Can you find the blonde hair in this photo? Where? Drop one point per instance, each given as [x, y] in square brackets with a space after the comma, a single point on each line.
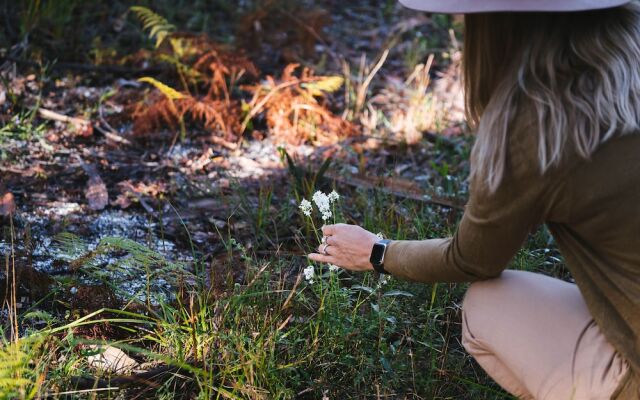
[578, 73]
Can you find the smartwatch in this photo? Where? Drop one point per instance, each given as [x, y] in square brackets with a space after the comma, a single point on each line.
[377, 255]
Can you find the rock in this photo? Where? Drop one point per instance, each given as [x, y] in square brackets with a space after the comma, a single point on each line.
[111, 359]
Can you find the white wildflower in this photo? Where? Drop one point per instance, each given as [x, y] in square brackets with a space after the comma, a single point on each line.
[333, 196]
[326, 215]
[333, 268]
[384, 279]
[323, 204]
[305, 207]
[380, 235]
[321, 200]
[309, 273]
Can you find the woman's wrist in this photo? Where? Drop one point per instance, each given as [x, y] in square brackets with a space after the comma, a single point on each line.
[378, 255]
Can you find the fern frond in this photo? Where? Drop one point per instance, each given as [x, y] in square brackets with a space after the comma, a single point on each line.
[69, 246]
[158, 26]
[15, 374]
[141, 255]
[166, 90]
[192, 75]
[324, 85]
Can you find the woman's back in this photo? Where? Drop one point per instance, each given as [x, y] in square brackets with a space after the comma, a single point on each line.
[598, 232]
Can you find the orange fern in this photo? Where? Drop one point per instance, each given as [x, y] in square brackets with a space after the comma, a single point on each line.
[295, 107]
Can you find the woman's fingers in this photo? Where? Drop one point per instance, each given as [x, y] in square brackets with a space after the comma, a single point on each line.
[321, 258]
[328, 230]
[325, 248]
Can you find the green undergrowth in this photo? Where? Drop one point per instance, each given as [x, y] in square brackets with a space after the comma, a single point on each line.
[266, 335]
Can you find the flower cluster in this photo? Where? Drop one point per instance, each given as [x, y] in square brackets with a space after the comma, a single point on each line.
[309, 273]
[305, 207]
[323, 201]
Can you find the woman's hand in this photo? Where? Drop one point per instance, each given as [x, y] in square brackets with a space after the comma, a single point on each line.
[347, 246]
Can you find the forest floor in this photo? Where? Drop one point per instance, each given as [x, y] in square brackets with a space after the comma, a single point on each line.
[163, 255]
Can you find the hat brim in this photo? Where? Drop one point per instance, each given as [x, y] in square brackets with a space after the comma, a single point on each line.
[479, 6]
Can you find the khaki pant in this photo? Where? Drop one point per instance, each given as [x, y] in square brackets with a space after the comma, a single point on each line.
[534, 336]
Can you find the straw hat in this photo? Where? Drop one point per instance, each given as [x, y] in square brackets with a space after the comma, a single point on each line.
[476, 6]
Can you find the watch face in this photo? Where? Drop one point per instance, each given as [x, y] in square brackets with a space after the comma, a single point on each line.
[377, 253]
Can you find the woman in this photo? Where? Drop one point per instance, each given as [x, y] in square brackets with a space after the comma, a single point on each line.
[555, 99]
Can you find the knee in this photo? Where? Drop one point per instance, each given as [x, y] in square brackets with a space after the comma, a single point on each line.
[491, 294]
[482, 300]
[486, 301]
[476, 298]
[471, 307]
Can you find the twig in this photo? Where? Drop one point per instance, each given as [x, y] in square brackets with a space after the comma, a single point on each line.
[109, 132]
[224, 143]
[81, 123]
[54, 116]
[112, 136]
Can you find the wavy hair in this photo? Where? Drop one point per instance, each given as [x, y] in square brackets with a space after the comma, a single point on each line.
[578, 73]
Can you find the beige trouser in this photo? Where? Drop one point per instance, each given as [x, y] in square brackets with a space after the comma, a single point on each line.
[534, 336]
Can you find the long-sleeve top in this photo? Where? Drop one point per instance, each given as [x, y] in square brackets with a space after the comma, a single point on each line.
[591, 207]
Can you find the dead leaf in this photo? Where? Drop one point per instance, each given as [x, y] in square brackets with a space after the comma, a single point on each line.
[131, 192]
[7, 204]
[123, 201]
[96, 191]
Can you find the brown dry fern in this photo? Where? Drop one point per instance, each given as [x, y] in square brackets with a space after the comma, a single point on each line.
[296, 108]
[219, 117]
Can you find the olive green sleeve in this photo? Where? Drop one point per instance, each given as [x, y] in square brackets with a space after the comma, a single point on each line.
[481, 248]
[493, 228]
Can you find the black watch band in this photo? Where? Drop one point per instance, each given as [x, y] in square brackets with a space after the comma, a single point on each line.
[377, 255]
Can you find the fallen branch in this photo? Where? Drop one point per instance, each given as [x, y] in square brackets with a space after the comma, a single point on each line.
[396, 187]
[115, 69]
[151, 378]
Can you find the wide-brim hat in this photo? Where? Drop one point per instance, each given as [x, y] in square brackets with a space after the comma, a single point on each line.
[478, 6]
